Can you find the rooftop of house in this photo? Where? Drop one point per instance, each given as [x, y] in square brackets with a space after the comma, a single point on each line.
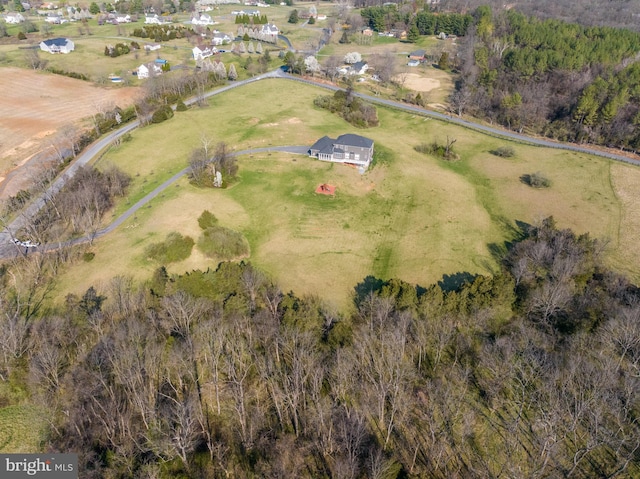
[59, 42]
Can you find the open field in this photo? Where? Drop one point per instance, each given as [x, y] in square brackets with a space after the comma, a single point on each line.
[415, 217]
[46, 103]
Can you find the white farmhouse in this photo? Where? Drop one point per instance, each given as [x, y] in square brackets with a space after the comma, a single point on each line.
[14, 18]
[148, 70]
[200, 52]
[202, 19]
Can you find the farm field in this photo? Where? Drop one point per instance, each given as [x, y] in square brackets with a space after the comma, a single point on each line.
[46, 102]
[412, 216]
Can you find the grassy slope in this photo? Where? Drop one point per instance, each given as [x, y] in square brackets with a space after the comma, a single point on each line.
[22, 429]
[416, 218]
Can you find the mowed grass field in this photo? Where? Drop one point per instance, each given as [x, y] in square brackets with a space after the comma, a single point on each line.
[414, 217]
[22, 429]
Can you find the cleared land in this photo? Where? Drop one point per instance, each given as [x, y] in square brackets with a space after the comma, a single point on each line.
[415, 217]
[34, 105]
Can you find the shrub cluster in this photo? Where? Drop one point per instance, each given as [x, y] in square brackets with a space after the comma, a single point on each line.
[437, 149]
[220, 242]
[77, 76]
[536, 180]
[161, 114]
[349, 107]
[174, 248]
[504, 152]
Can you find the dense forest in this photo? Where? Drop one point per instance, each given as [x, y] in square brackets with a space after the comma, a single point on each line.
[531, 372]
[563, 80]
[611, 13]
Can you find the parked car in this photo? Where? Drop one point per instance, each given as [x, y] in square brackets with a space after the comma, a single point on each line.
[413, 63]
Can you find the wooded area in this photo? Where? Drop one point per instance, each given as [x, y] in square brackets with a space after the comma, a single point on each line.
[534, 372]
[562, 80]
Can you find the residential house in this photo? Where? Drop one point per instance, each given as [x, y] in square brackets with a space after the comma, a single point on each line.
[120, 18]
[399, 34]
[207, 5]
[57, 45]
[220, 38]
[156, 20]
[200, 52]
[148, 70]
[54, 18]
[247, 11]
[14, 18]
[350, 149]
[417, 55]
[152, 47]
[202, 19]
[358, 68]
[367, 31]
[269, 29]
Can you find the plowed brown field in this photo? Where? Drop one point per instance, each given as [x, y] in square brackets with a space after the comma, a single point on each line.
[33, 106]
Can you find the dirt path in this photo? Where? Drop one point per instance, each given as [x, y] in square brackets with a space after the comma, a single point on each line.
[33, 106]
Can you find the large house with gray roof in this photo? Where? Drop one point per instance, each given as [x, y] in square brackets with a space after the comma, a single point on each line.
[351, 149]
[57, 45]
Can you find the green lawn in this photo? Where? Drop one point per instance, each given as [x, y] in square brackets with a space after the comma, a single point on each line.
[416, 217]
[22, 429]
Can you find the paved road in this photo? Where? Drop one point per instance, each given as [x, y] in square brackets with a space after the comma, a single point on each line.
[9, 249]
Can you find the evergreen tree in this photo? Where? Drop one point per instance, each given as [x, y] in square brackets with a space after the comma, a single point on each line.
[294, 17]
[443, 63]
[413, 34]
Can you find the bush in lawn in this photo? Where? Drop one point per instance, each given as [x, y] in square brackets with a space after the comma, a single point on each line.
[175, 248]
[436, 149]
[536, 180]
[161, 114]
[504, 152]
[207, 220]
[222, 243]
[180, 106]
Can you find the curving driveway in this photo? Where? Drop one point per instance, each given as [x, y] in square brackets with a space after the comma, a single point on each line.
[9, 249]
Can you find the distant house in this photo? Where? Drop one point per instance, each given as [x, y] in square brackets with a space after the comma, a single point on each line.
[57, 45]
[148, 70]
[200, 52]
[156, 20]
[417, 55]
[351, 149]
[220, 38]
[123, 18]
[152, 47]
[54, 18]
[14, 18]
[207, 5]
[359, 68]
[269, 29]
[248, 11]
[202, 19]
[367, 32]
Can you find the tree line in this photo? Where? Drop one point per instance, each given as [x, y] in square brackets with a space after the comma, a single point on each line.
[384, 18]
[531, 372]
